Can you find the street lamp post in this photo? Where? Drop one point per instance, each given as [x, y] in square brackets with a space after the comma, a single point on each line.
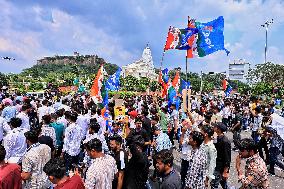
[265, 25]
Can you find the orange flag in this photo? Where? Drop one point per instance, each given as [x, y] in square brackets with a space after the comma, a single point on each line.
[97, 85]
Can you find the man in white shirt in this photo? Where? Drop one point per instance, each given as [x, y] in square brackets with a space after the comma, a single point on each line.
[15, 142]
[72, 141]
[4, 127]
[103, 169]
[83, 122]
[33, 162]
[23, 115]
[43, 110]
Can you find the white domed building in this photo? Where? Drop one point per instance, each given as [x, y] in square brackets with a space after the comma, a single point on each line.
[141, 68]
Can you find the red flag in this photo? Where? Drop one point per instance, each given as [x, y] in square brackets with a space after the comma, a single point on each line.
[170, 39]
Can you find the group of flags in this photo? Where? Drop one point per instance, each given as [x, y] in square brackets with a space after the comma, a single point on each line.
[172, 89]
[198, 38]
[100, 88]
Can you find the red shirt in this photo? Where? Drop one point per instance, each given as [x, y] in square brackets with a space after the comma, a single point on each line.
[74, 182]
[10, 176]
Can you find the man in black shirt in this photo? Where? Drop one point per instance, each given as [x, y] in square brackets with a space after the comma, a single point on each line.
[223, 160]
[139, 130]
[236, 127]
[146, 123]
[137, 170]
[121, 159]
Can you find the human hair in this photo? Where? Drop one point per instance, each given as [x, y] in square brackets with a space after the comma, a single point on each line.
[258, 109]
[53, 116]
[145, 113]
[95, 126]
[46, 119]
[55, 167]
[15, 122]
[197, 137]
[208, 130]
[248, 144]
[31, 136]
[94, 144]
[60, 112]
[116, 138]
[2, 153]
[44, 102]
[25, 107]
[72, 116]
[18, 101]
[138, 119]
[165, 156]
[155, 118]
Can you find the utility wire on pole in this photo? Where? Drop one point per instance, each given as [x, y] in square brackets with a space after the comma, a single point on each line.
[266, 25]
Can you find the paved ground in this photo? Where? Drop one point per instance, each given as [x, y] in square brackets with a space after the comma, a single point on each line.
[275, 182]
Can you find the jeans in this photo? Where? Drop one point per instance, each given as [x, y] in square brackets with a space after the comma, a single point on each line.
[273, 159]
[262, 144]
[218, 180]
[183, 171]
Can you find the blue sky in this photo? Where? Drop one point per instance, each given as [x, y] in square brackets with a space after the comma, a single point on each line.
[118, 30]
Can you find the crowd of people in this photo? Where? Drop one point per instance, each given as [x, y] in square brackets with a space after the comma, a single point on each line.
[67, 141]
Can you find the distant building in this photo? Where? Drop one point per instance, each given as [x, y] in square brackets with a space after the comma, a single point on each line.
[141, 68]
[237, 70]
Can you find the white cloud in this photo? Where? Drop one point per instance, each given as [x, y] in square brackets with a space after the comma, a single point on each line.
[58, 31]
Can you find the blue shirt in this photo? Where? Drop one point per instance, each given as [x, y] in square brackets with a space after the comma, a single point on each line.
[59, 130]
[9, 112]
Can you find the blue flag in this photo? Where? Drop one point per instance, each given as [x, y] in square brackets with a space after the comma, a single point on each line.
[113, 83]
[228, 90]
[184, 85]
[173, 98]
[210, 37]
[165, 73]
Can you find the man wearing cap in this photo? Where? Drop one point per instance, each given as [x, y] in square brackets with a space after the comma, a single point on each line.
[223, 160]
[133, 114]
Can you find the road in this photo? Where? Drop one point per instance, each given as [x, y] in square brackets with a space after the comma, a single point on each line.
[275, 181]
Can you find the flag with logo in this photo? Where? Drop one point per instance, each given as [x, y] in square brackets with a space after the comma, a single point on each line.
[113, 82]
[178, 38]
[210, 37]
[184, 85]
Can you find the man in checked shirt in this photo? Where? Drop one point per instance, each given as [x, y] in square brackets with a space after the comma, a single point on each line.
[256, 175]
